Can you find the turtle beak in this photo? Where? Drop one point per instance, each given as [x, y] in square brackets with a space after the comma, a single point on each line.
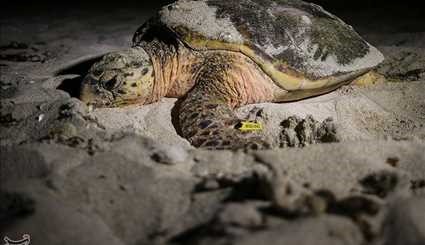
[92, 93]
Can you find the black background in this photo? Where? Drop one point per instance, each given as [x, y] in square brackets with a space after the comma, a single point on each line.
[398, 9]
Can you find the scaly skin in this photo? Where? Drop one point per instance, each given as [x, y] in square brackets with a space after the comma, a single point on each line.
[212, 84]
[225, 81]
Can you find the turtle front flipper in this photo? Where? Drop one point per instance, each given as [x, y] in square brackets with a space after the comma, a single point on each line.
[209, 122]
[206, 114]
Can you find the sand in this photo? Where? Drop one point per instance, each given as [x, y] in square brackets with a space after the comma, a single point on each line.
[72, 175]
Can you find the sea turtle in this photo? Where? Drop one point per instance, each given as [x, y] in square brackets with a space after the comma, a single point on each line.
[217, 55]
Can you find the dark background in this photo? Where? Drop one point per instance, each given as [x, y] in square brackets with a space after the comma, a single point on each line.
[399, 9]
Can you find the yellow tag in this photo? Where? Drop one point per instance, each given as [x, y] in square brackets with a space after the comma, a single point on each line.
[251, 126]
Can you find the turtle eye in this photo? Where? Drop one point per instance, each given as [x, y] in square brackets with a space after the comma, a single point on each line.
[111, 84]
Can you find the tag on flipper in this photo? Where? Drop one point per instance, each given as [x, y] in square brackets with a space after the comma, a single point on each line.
[246, 126]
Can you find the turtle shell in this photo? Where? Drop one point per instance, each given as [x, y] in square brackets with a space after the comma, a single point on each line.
[298, 44]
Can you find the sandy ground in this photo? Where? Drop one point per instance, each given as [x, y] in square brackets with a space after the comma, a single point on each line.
[70, 175]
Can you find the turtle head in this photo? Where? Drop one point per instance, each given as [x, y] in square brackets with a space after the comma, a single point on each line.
[118, 79]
